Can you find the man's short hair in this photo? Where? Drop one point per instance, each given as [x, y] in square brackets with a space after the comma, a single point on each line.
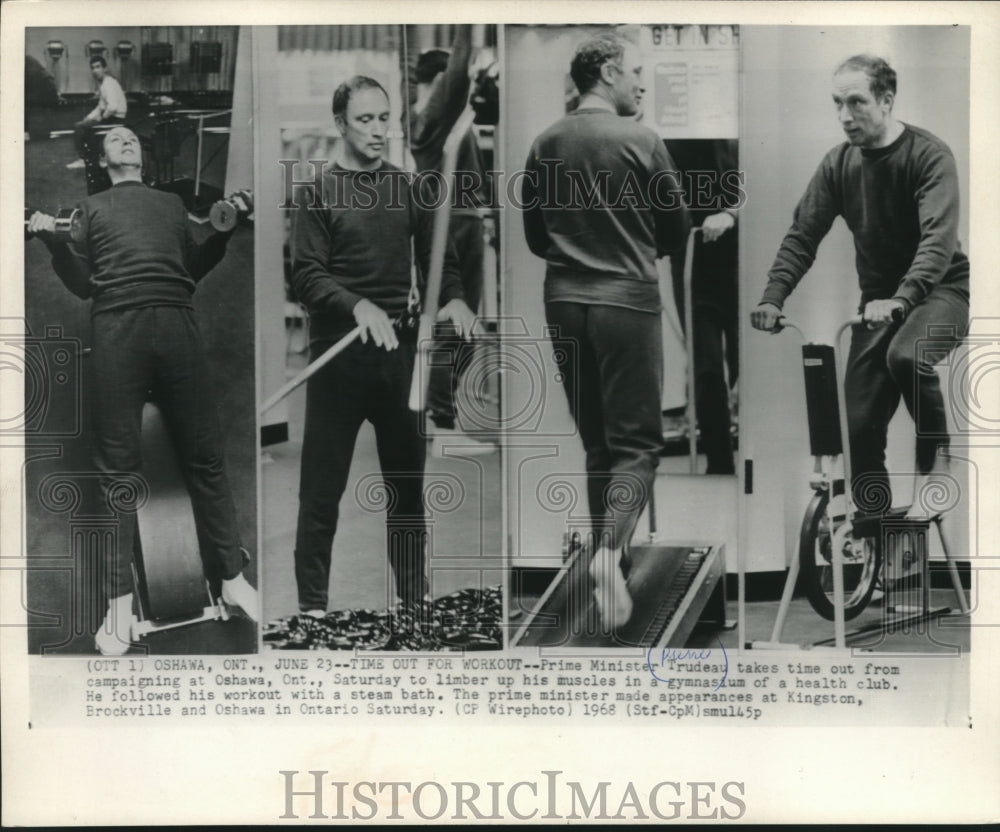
[590, 55]
[343, 93]
[104, 143]
[98, 59]
[881, 76]
[104, 140]
[430, 64]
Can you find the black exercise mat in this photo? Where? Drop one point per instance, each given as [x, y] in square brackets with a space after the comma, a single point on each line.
[469, 619]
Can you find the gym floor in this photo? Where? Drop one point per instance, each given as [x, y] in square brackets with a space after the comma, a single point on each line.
[804, 627]
[527, 585]
[465, 551]
[65, 608]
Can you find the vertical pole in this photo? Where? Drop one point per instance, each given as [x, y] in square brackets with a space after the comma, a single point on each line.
[689, 346]
[197, 164]
[956, 581]
[837, 540]
[418, 387]
[786, 600]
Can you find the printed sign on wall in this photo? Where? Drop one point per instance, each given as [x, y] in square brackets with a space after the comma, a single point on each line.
[693, 72]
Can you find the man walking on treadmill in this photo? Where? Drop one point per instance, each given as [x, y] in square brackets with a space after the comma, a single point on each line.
[602, 288]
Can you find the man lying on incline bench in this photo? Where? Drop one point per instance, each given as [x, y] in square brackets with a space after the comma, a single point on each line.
[137, 261]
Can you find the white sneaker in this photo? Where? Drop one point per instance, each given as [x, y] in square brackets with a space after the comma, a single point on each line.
[79, 164]
[237, 592]
[115, 635]
[315, 613]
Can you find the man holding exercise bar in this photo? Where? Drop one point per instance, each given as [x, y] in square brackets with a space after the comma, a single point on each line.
[352, 267]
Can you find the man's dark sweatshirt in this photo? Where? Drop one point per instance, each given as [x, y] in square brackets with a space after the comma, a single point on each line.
[900, 202]
[137, 250]
[602, 249]
[358, 247]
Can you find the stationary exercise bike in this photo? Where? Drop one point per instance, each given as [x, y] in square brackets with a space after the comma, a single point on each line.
[828, 526]
[843, 553]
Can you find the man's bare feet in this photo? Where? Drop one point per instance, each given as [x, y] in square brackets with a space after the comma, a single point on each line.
[610, 592]
[115, 635]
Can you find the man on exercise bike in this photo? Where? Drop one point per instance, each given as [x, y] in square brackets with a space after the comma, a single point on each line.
[896, 186]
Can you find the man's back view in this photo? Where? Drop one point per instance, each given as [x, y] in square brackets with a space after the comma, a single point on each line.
[602, 201]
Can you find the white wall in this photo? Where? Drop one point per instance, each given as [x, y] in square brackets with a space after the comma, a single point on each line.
[533, 93]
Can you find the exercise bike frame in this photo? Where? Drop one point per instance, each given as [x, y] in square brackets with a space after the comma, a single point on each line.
[833, 465]
[829, 468]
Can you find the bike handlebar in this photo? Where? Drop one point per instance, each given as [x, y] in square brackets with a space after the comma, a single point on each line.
[787, 323]
[855, 321]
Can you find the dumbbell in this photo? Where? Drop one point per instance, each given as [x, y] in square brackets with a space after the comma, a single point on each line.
[225, 213]
[68, 224]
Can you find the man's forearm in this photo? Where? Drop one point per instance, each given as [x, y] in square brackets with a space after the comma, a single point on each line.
[317, 289]
[533, 218]
[320, 291]
[68, 266]
[672, 228]
[779, 287]
[206, 255]
[448, 101]
[672, 224]
[535, 232]
[811, 222]
[793, 260]
[451, 277]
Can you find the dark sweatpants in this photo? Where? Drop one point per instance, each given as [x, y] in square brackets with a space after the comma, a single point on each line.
[715, 316]
[893, 361]
[159, 349]
[452, 354]
[363, 382]
[613, 380]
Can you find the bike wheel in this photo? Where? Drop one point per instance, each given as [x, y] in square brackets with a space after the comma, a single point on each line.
[862, 559]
